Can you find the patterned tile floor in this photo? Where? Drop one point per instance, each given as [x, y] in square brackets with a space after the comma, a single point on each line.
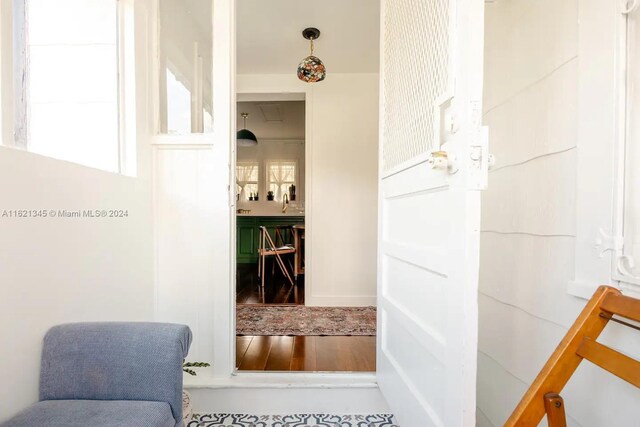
[297, 420]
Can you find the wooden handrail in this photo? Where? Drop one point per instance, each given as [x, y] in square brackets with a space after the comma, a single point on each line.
[622, 306]
[579, 343]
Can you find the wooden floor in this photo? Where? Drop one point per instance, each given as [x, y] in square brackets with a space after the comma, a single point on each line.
[278, 290]
[306, 353]
[302, 353]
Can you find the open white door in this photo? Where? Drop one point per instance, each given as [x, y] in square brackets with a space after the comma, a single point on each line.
[433, 161]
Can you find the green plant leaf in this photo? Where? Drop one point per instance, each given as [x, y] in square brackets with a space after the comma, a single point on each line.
[196, 365]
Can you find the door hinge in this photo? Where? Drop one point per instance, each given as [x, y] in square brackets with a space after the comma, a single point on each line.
[446, 124]
[480, 159]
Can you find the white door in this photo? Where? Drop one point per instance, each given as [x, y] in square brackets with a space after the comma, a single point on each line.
[433, 162]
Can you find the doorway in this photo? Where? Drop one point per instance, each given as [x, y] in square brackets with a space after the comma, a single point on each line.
[275, 329]
[430, 309]
[324, 318]
[270, 202]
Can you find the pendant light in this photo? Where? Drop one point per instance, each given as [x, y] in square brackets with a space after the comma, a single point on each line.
[311, 69]
[244, 137]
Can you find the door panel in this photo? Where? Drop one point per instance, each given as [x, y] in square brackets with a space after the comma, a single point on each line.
[416, 47]
[433, 159]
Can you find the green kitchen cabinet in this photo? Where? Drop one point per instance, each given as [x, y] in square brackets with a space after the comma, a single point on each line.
[248, 234]
[246, 240]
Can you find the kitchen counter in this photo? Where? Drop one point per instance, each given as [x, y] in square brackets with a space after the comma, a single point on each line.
[286, 215]
[270, 209]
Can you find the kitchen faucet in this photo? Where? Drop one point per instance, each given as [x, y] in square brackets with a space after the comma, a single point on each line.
[285, 202]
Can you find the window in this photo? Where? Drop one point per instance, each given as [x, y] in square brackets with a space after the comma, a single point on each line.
[607, 241]
[627, 268]
[281, 175]
[186, 64]
[247, 180]
[66, 88]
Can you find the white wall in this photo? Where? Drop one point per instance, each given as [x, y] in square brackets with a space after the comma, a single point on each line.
[57, 270]
[341, 182]
[533, 72]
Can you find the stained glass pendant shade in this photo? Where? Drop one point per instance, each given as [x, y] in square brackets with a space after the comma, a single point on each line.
[311, 69]
[244, 137]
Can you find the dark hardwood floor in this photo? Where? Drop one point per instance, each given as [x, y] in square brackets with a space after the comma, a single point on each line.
[300, 353]
[278, 290]
[306, 353]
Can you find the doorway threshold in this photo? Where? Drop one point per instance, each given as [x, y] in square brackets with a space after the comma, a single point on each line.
[260, 379]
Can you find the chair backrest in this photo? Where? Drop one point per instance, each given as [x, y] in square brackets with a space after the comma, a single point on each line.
[115, 361]
[579, 343]
[284, 235]
[266, 242]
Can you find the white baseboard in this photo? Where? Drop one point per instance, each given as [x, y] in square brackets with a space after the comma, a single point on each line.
[265, 401]
[340, 301]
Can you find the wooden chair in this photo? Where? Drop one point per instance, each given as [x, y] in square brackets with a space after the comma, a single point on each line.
[268, 248]
[580, 343]
[284, 235]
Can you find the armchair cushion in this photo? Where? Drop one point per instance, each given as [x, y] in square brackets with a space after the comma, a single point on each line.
[115, 361]
[94, 413]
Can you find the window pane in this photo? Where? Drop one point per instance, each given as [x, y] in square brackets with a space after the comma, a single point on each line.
[251, 190]
[179, 110]
[72, 81]
[247, 179]
[186, 32]
[281, 175]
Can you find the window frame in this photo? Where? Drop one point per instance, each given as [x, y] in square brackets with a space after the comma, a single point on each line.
[625, 279]
[601, 160]
[267, 181]
[257, 182]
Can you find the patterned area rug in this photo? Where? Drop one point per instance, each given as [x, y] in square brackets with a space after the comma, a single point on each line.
[297, 420]
[300, 320]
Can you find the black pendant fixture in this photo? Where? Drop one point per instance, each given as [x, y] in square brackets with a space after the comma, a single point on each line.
[311, 69]
[244, 137]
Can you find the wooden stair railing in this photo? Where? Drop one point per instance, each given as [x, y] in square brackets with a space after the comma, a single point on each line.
[543, 397]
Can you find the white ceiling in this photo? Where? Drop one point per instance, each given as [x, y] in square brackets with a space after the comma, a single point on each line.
[269, 35]
[274, 120]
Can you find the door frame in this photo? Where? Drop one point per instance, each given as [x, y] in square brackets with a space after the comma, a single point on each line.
[212, 318]
[282, 95]
[266, 85]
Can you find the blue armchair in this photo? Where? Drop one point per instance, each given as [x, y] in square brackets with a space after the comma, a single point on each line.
[110, 374]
